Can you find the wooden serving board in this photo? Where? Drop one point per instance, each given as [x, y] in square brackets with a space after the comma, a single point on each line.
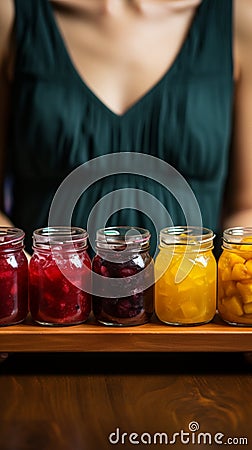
[152, 337]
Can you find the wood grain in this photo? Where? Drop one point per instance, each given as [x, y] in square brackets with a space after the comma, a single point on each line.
[155, 336]
[73, 402]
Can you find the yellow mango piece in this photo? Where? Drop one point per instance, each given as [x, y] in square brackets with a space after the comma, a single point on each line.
[162, 307]
[240, 272]
[167, 295]
[247, 251]
[233, 258]
[248, 265]
[189, 310]
[166, 311]
[233, 306]
[229, 288]
[248, 308]
[245, 290]
[165, 282]
[186, 288]
[225, 274]
[245, 254]
[182, 268]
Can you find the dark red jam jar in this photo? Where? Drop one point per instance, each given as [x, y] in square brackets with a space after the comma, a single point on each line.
[123, 291]
[13, 276]
[59, 276]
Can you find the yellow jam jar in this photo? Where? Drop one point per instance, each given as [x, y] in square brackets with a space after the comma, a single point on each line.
[185, 276]
[235, 277]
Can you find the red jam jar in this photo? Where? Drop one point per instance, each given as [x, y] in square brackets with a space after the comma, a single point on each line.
[59, 276]
[13, 276]
[126, 277]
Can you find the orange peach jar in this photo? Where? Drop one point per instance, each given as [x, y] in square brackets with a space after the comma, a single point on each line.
[185, 276]
[235, 277]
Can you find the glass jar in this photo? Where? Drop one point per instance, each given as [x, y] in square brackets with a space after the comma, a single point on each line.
[59, 276]
[235, 277]
[123, 292]
[13, 276]
[185, 276]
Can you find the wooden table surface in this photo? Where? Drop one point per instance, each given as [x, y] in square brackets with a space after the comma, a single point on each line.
[152, 337]
[74, 401]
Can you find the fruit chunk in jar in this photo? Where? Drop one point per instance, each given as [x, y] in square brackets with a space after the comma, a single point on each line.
[56, 299]
[235, 283]
[191, 300]
[135, 309]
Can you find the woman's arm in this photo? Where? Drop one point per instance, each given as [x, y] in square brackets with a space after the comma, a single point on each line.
[6, 57]
[239, 188]
[6, 27]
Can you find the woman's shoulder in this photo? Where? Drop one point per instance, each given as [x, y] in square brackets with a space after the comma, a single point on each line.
[243, 14]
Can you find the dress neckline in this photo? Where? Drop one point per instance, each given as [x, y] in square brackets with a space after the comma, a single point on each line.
[149, 92]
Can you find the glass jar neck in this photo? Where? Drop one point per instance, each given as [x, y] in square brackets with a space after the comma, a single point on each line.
[187, 239]
[122, 239]
[60, 239]
[237, 236]
[11, 239]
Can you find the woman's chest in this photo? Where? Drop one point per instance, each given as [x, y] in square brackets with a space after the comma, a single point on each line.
[121, 60]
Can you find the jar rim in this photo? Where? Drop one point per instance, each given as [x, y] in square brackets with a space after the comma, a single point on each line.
[191, 235]
[117, 236]
[59, 235]
[11, 235]
[234, 235]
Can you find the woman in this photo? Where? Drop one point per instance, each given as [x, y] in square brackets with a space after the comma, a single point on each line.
[80, 79]
[168, 78]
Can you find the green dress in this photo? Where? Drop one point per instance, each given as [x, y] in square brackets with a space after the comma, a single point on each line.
[59, 124]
